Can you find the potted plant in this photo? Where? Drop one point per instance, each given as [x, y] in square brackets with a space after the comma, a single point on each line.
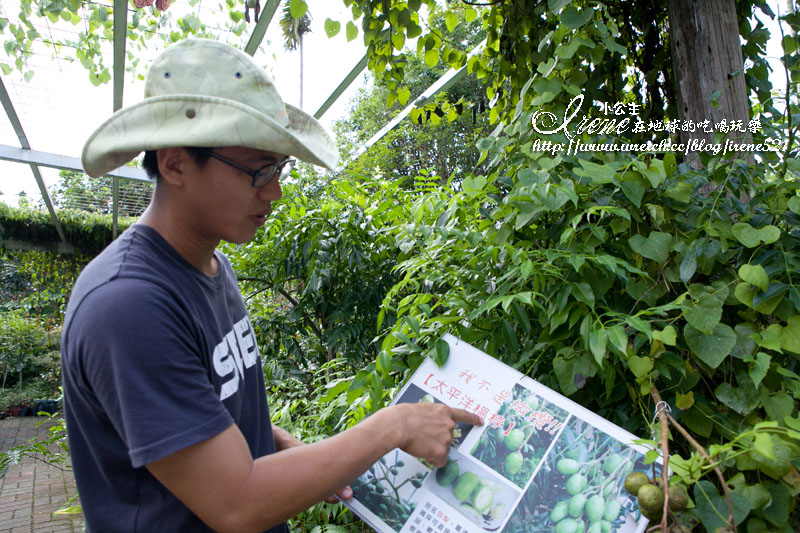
[13, 401]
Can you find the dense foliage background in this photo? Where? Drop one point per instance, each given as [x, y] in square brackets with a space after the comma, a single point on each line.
[614, 277]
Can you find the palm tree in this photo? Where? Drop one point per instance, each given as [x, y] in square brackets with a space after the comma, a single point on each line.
[293, 31]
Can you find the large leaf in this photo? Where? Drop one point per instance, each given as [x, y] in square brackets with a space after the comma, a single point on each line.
[331, 27]
[710, 349]
[573, 371]
[598, 340]
[779, 406]
[741, 399]
[573, 19]
[640, 366]
[297, 8]
[704, 314]
[790, 336]
[752, 237]
[777, 510]
[759, 367]
[351, 31]
[712, 506]
[655, 247]
[755, 275]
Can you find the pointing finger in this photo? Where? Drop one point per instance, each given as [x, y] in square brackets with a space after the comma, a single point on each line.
[460, 415]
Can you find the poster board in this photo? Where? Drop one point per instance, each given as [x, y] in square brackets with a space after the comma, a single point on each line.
[540, 462]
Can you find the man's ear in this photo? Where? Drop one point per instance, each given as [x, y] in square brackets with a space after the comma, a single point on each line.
[172, 165]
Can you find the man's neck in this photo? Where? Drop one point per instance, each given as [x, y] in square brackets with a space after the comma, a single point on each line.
[197, 250]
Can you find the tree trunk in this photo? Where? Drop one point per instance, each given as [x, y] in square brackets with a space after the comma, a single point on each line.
[707, 59]
[301, 72]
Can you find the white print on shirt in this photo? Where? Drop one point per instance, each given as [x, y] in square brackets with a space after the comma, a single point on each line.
[236, 352]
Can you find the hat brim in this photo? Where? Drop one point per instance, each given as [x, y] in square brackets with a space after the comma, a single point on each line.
[203, 121]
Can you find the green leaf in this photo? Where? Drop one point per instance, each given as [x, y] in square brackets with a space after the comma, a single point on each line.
[451, 21]
[777, 510]
[403, 94]
[297, 8]
[704, 314]
[640, 366]
[470, 14]
[6, 69]
[441, 352]
[398, 40]
[668, 336]
[766, 301]
[634, 186]
[770, 338]
[612, 46]
[555, 6]
[598, 340]
[332, 27]
[572, 371]
[712, 508]
[681, 192]
[432, 57]
[755, 275]
[599, 174]
[655, 246]
[790, 335]
[618, 339]
[779, 405]
[688, 266]
[710, 349]
[741, 399]
[583, 293]
[759, 368]
[573, 19]
[762, 443]
[752, 237]
[698, 421]
[351, 31]
[684, 401]
[794, 205]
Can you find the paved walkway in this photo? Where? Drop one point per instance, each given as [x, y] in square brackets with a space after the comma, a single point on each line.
[31, 490]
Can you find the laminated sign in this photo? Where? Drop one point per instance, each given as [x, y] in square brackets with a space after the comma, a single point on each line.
[540, 462]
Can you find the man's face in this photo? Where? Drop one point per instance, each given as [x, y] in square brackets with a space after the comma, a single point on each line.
[222, 203]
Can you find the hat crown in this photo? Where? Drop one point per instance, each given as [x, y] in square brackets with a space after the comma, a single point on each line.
[203, 67]
[201, 92]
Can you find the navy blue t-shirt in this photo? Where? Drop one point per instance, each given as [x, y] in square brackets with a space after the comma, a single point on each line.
[156, 356]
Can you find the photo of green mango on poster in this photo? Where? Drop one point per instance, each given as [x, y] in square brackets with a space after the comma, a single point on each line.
[516, 437]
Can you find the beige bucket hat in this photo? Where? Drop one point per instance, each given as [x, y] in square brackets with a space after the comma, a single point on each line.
[204, 93]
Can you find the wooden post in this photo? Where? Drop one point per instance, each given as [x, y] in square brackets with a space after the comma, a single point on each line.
[707, 57]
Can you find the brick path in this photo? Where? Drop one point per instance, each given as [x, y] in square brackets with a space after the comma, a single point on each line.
[31, 490]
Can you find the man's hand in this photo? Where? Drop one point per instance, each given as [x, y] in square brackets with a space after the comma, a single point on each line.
[426, 429]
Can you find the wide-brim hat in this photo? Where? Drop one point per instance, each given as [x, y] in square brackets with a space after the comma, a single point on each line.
[204, 93]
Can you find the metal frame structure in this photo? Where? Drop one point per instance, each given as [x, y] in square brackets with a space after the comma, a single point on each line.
[26, 155]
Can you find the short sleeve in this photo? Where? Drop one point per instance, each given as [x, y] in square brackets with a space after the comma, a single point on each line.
[141, 357]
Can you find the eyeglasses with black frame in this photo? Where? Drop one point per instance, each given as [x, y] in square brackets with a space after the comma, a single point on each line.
[261, 176]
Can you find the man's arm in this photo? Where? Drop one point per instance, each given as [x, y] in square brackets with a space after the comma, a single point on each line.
[221, 483]
[283, 439]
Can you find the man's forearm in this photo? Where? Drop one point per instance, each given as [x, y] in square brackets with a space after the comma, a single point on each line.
[219, 480]
[283, 439]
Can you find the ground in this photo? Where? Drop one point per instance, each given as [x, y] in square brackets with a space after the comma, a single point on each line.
[31, 490]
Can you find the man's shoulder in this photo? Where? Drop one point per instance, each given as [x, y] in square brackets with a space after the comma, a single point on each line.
[134, 265]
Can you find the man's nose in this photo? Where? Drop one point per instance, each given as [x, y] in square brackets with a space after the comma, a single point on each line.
[271, 191]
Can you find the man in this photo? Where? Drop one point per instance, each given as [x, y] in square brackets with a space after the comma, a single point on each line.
[164, 395]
